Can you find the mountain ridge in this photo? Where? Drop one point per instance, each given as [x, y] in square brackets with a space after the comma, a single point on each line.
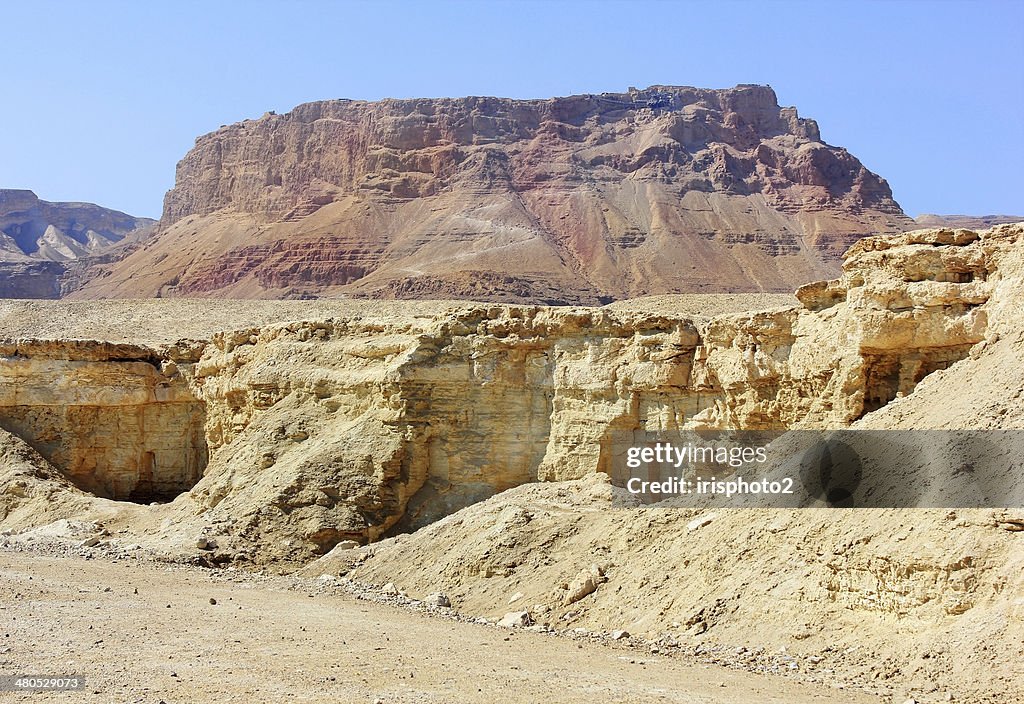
[583, 199]
[969, 222]
[45, 244]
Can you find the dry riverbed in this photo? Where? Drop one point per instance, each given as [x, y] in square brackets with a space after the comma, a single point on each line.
[140, 631]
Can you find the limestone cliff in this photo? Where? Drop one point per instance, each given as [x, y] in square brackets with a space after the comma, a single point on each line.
[370, 421]
[116, 421]
[583, 199]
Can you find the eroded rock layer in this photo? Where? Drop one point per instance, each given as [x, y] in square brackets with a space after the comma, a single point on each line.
[577, 200]
[107, 415]
[370, 422]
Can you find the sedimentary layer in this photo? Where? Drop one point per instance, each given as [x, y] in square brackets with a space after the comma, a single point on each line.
[374, 421]
[576, 200]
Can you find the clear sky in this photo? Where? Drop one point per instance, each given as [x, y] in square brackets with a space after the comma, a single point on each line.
[101, 99]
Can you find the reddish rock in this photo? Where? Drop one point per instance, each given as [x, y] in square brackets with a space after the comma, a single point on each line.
[576, 200]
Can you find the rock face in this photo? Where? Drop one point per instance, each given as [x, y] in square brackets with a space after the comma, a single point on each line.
[38, 239]
[27, 279]
[372, 421]
[582, 199]
[115, 423]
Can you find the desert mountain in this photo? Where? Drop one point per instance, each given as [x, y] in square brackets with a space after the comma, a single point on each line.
[970, 222]
[582, 199]
[38, 239]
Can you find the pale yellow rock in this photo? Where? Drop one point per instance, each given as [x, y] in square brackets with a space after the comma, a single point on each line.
[106, 415]
[376, 420]
[385, 419]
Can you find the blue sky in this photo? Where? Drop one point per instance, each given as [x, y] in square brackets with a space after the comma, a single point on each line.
[101, 99]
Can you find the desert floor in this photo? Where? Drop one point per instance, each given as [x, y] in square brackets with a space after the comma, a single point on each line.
[145, 632]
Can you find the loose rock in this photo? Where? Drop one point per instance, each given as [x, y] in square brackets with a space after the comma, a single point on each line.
[516, 619]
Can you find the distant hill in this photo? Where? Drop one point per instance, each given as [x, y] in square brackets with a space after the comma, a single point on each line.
[969, 222]
[39, 240]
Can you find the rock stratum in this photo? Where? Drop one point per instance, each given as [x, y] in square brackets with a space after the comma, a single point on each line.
[45, 246]
[374, 417]
[577, 200]
[486, 429]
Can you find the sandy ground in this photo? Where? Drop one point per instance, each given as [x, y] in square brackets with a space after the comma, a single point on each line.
[143, 632]
[162, 321]
[702, 306]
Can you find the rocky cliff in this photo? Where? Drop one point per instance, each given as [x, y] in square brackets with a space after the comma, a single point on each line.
[377, 420]
[116, 421]
[582, 199]
[40, 241]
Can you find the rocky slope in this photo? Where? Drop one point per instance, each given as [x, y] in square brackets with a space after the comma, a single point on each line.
[384, 418]
[40, 241]
[582, 199]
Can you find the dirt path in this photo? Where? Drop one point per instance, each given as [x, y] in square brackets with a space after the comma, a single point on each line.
[263, 642]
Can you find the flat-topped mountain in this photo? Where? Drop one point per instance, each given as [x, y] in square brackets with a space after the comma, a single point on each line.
[39, 238]
[581, 199]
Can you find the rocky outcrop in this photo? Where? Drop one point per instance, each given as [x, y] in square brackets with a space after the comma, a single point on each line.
[372, 421]
[39, 239]
[583, 199]
[117, 421]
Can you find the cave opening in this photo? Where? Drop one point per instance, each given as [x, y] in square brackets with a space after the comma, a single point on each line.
[119, 429]
[142, 453]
